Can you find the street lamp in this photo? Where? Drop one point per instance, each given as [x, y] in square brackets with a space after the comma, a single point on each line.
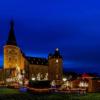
[53, 85]
[64, 79]
[33, 79]
[67, 84]
[23, 76]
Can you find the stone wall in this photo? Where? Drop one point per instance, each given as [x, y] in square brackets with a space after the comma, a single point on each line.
[34, 70]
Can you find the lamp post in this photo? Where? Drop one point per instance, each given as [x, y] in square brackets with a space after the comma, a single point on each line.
[23, 76]
[67, 85]
[53, 86]
[33, 79]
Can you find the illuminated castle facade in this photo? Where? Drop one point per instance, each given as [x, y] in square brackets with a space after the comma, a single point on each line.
[16, 61]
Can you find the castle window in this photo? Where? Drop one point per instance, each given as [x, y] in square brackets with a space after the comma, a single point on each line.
[56, 60]
[9, 58]
[16, 53]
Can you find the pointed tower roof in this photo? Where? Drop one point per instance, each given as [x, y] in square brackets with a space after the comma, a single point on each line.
[56, 54]
[11, 38]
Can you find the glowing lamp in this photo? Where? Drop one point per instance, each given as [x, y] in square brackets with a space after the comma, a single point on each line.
[57, 49]
[56, 60]
[64, 79]
[33, 78]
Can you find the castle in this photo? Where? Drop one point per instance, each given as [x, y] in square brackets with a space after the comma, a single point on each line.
[16, 61]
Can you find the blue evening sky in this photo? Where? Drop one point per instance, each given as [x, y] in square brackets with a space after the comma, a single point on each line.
[43, 25]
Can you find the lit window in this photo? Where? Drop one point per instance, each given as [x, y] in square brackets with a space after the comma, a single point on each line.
[56, 60]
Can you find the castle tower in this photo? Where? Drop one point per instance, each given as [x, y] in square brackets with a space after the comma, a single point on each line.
[12, 54]
[55, 66]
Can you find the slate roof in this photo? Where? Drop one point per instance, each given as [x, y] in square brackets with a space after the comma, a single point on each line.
[56, 54]
[37, 60]
[11, 38]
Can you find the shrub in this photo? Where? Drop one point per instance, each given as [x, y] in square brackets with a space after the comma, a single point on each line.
[39, 84]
